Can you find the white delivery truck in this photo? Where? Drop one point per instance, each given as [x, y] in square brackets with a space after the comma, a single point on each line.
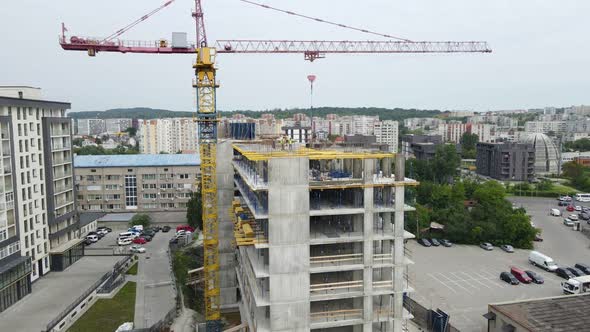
[543, 261]
[576, 285]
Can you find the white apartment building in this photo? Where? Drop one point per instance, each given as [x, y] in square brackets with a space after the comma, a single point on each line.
[387, 132]
[113, 126]
[167, 135]
[89, 127]
[544, 127]
[452, 132]
[43, 193]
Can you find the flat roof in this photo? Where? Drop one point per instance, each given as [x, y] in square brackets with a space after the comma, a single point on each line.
[117, 217]
[136, 160]
[562, 313]
[9, 101]
[88, 217]
[257, 152]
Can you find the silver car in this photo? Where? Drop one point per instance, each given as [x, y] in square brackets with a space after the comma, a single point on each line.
[486, 246]
[507, 248]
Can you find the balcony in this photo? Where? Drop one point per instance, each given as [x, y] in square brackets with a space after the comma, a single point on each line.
[60, 146]
[336, 313]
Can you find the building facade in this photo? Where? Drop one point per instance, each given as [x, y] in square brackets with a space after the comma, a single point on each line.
[420, 143]
[167, 135]
[506, 161]
[386, 132]
[138, 183]
[320, 240]
[39, 190]
[545, 127]
[89, 127]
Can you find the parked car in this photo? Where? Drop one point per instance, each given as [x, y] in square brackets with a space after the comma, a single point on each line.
[509, 278]
[578, 208]
[424, 242]
[570, 208]
[538, 238]
[102, 232]
[139, 240]
[137, 249]
[156, 229]
[583, 267]
[562, 203]
[486, 246]
[185, 228]
[564, 273]
[568, 222]
[105, 228]
[573, 217]
[565, 198]
[434, 242]
[555, 212]
[88, 242]
[149, 232]
[92, 238]
[166, 229]
[507, 248]
[124, 241]
[99, 235]
[520, 275]
[147, 237]
[577, 272]
[537, 278]
[585, 215]
[174, 240]
[446, 243]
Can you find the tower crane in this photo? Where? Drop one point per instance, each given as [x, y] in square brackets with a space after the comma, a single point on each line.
[205, 84]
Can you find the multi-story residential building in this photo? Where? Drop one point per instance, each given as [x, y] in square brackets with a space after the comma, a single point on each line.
[42, 193]
[452, 131]
[15, 269]
[422, 123]
[506, 161]
[364, 124]
[386, 132]
[484, 131]
[91, 127]
[138, 183]
[113, 126]
[545, 127]
[167, 135]
[320, 240]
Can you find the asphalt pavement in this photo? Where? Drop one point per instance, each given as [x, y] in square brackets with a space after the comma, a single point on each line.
[463, 280]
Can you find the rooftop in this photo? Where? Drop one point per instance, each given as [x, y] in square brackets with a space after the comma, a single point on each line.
[256, 152]
[562, 313]
[137, 160]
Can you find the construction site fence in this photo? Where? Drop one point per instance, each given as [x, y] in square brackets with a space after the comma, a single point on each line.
[423, 316]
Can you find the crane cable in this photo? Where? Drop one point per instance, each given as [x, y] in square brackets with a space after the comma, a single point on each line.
[324, 21]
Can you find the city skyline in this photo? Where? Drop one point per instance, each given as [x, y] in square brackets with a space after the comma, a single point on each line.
[514, 75]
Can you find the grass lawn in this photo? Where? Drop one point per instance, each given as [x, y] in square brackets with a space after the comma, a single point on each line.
[133, 269]
[564, 189]
[108, 314]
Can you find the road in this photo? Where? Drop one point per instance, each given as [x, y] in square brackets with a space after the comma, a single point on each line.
[463, 280]
[155, 289]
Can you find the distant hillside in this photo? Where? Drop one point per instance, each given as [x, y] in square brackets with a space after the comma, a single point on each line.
[150, 113]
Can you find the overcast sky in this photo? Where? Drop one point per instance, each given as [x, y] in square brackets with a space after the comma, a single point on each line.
[541, 54]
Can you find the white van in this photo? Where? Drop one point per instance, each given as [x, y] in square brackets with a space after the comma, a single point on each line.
[555, 212]
[582, 197]
[124, 241]
[545, 262]
[137, 227]
[127, 235]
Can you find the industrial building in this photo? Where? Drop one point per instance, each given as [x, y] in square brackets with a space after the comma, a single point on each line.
[320, 238]
[38, 225]
[561, 313]
[506, 161]
[137, 183]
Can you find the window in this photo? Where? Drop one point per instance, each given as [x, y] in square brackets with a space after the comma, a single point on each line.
[113, 177]
[183, 176]
[148, 196]
[150, 206]
[130, 191]
[111, 187]
[149, 186]
[149, 176]
[166, 185]
[112, 196]
[3, 235]
[93, 178]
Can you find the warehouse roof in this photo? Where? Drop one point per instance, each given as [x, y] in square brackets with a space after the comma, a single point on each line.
[563, 313]
[137, 160]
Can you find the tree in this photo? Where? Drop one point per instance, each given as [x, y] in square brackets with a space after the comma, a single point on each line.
[98, 141]
[468, 145]
[194, 211]
[582, 144]
[141, 219]
[131, 131]
[77, 141]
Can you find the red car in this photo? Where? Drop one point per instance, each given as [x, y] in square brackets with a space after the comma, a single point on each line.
[521, 275]
[570, 208]
[139, 240]
[186, 228]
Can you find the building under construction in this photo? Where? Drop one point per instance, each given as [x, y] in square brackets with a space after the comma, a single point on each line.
[319, 238]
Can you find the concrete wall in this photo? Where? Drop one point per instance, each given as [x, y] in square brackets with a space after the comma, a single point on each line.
[288, 215]
[225, 193]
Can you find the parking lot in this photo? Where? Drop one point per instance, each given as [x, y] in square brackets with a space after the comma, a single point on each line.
[463, 280]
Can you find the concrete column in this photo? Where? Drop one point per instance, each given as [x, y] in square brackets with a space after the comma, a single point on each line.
[368, 232]
[225, 193]
[288, 240]
[398, 244]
